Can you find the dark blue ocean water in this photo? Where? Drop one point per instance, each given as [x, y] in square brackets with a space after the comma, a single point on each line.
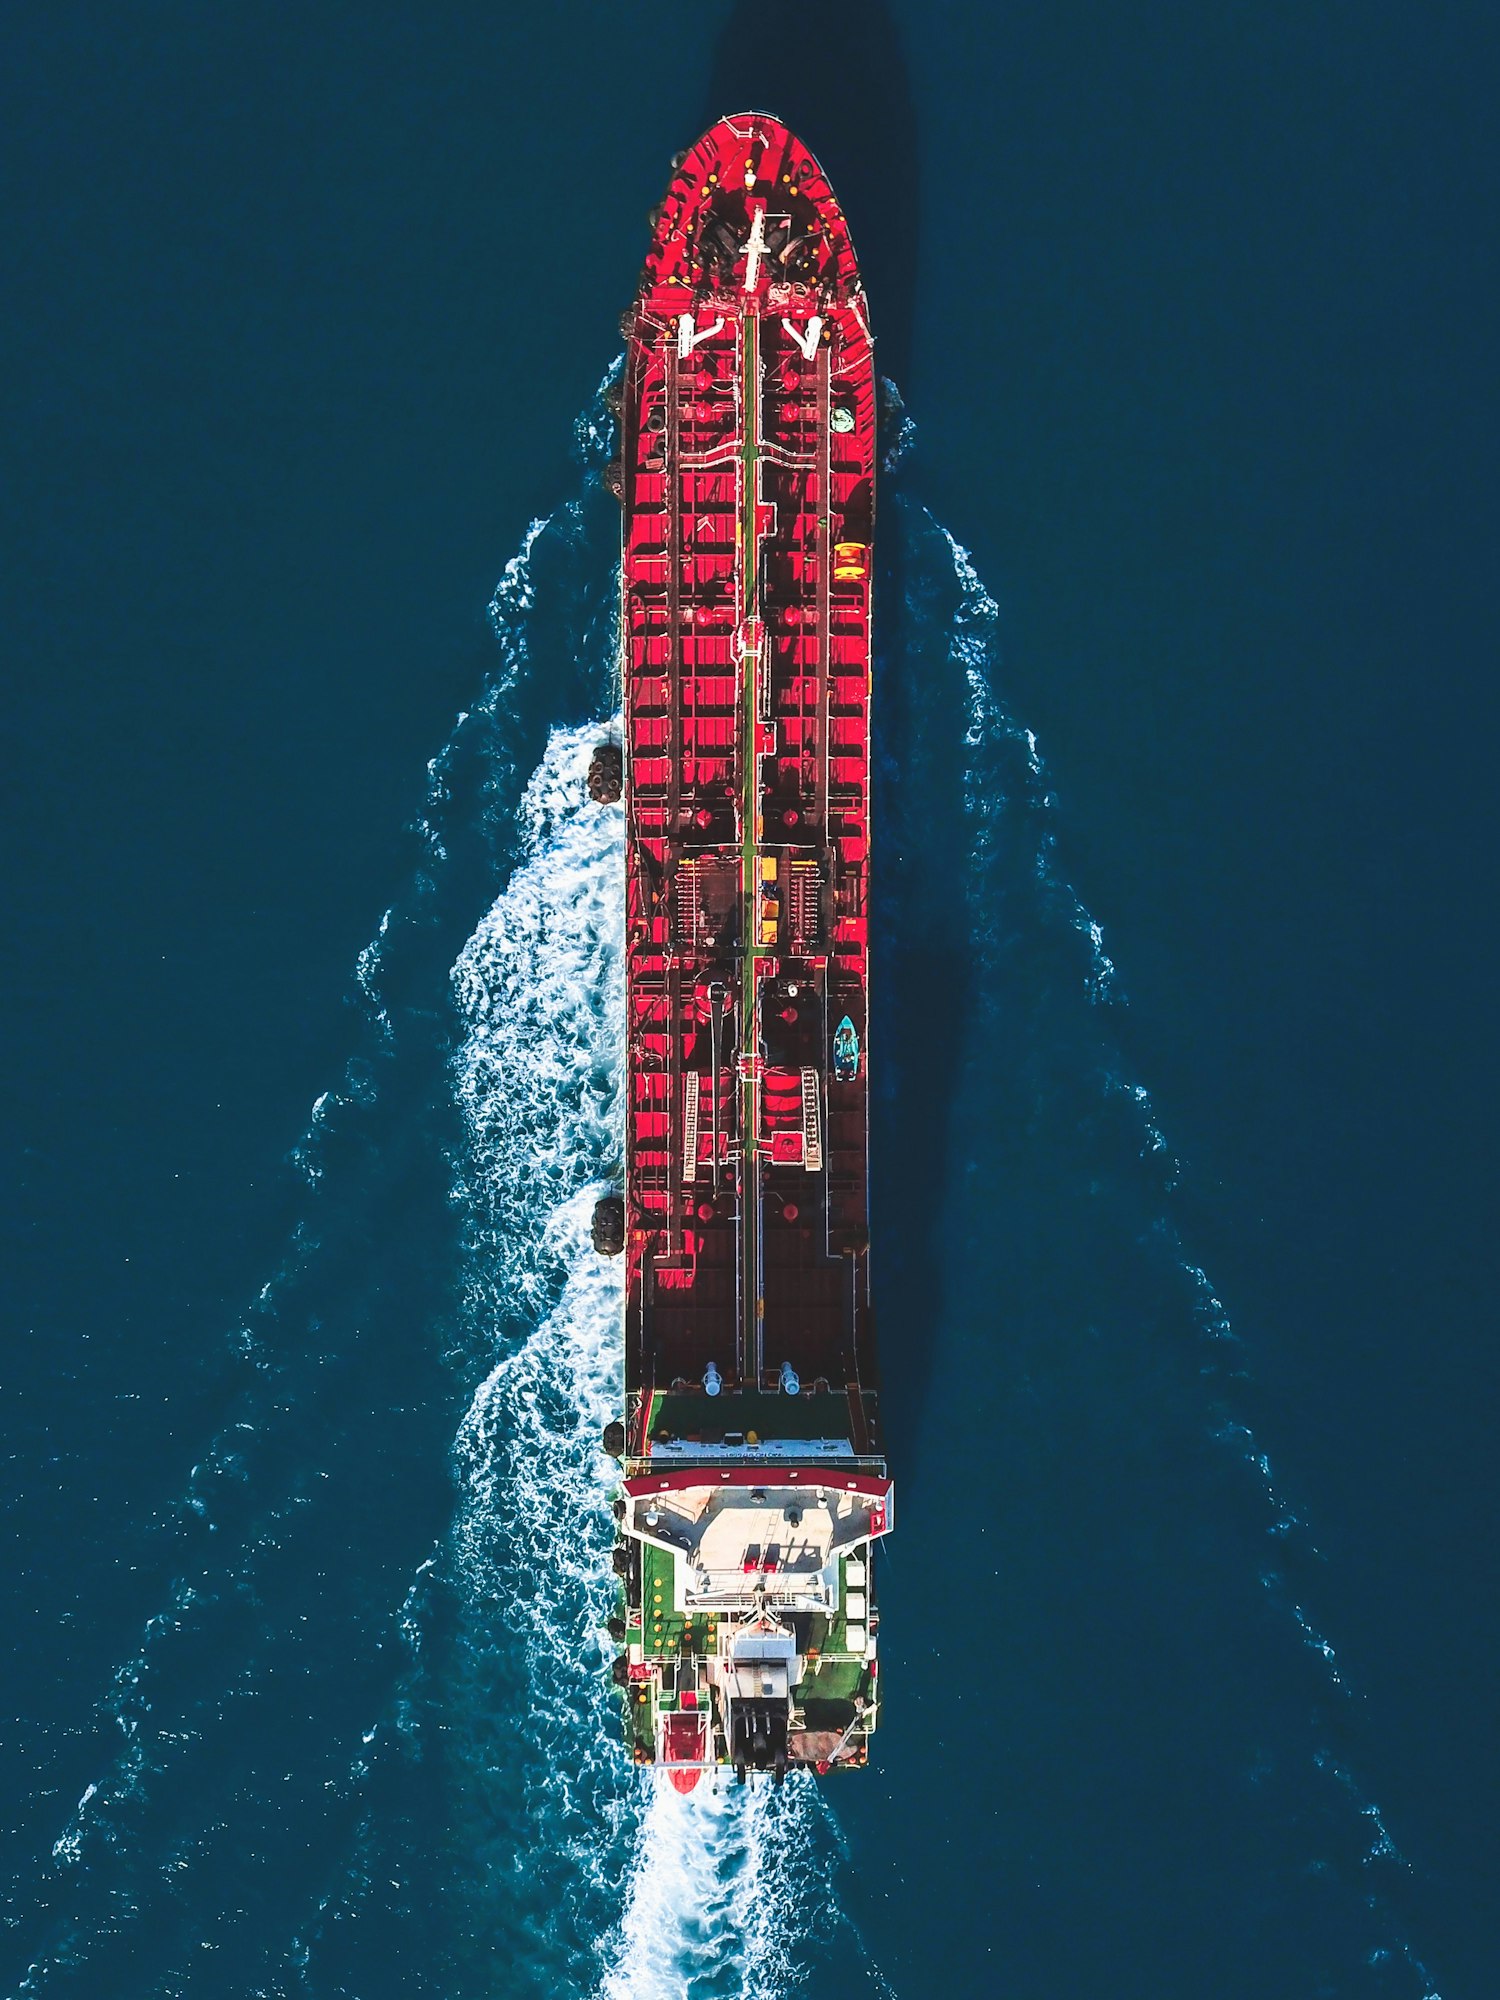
[1184, 1189]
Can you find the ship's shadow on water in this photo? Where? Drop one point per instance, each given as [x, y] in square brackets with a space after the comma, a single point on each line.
[837, 76]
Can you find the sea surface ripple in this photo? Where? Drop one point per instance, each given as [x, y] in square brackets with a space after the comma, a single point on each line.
[391, 1558]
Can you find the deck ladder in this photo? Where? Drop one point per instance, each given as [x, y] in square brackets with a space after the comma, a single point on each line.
[691, 1083]
[812, 1123]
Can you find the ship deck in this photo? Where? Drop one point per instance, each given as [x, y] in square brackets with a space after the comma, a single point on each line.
[747, 481]
[748, 485]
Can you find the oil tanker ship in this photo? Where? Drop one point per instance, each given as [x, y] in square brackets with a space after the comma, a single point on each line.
[754, 1485]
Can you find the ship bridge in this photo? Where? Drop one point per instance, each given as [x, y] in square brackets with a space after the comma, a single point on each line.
[755, 1540]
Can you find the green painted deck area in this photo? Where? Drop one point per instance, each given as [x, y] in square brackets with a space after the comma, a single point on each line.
[665, 1631]
[640, 1717]
[832, 1680]
[825, 1693]
[828, 1677]
[709, 1419]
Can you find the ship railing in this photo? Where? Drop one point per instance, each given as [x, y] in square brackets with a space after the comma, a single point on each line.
[721, 1461]
[705, 461]
[752, 1602]
[792, 461]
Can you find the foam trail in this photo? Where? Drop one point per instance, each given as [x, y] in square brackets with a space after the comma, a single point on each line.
[1011, 806]
[539, 989]
[242, 1520]
[474, 779]
[723, 1884]
[714, 1884]
[537, 1076]
[1003, 752]
[559, 1821]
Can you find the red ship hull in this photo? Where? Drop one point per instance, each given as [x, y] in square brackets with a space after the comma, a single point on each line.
[747, 479]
